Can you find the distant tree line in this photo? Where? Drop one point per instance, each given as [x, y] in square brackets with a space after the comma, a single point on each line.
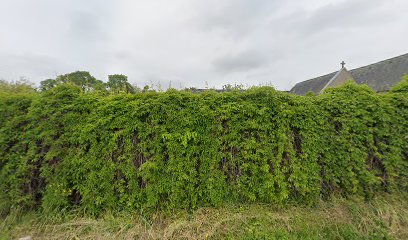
[116, 83]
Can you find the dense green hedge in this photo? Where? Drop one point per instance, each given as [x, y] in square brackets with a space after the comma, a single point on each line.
[66, 149]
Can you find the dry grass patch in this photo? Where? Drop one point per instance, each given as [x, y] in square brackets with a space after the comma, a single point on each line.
[385, 217]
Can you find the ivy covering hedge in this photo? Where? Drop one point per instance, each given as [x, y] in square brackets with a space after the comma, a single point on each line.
[66, 149]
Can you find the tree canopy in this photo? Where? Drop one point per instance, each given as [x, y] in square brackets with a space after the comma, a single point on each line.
[116, 83]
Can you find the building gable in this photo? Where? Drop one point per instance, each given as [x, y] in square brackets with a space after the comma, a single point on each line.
[380, 76]
[339, 79]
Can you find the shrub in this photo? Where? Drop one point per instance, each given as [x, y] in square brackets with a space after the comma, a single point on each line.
[65, 148]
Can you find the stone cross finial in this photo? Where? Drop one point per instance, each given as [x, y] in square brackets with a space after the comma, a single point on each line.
[342, 64]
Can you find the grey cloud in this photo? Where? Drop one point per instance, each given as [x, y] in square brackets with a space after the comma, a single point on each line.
[90, 20]
[349, 14]
[345, 15]
[244, 61]
[233, 15]
[31, 66]
[195, 41]
[86, 27]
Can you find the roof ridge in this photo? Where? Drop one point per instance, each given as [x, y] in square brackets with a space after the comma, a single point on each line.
[374, 71]
[311, 79]
[380, 62]
[400, 56]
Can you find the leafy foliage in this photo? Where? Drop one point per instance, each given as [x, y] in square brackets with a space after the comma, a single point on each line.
[18, 87]
[81, 79]
[69, 147]
[119, 83]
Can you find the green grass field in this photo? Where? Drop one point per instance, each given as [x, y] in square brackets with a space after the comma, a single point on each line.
[385, 217]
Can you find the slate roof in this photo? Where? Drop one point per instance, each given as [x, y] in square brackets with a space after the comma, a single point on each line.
[381, 76]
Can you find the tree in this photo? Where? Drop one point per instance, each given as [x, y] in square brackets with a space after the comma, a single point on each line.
[47, 84]
[229, 87]
[119, 83]
[81, 79]
[20, 86]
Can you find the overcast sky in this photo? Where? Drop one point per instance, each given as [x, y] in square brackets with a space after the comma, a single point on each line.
[198, 42]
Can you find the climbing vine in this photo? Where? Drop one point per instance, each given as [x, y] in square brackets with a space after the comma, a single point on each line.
[67, 148]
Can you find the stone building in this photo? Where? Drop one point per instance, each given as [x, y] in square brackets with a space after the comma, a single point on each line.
[381, 76]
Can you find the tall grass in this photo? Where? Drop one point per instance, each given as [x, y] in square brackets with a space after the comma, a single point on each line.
[385, 217]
